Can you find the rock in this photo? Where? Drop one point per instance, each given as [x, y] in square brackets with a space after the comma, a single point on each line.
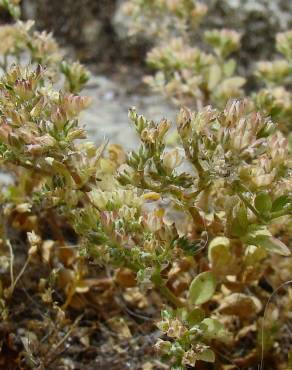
[85, 24]
[107, 117]
[85, 28]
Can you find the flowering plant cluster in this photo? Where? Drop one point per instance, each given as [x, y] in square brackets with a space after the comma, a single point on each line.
[190, 75]
[186, 73]
[12, 6]
[199, 229]
[174, 16]
[191, 222]
[274, 98]
[21, 42]
[195, 73]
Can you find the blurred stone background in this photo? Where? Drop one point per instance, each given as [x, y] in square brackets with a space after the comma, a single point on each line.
[85, 25]
[94, 31]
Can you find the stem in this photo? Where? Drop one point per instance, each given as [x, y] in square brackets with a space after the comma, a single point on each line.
[144, 184]
[250, 206]
[165, 291]
[264, 318]
[20, 274]
[284, 212]
[18, 162]
[61, 342]
[238, 189]
[195, 161]
[11, 263]
[14, 282]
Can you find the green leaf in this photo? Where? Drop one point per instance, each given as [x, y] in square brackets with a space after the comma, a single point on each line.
[236, 81]
[195, 316]
[212, 328]
[202, 288]
[255, 231]
[254, 254]
[259, 235]
[229, 67]
[64, 67]
[263, 203]
[239, 223]
[219, 255]
[232, 83]
[273, 245]
[176, 349]
[208, 355]
[241, 216]
[13, 9]
[167, 314]
[280, 203]
[214, 76]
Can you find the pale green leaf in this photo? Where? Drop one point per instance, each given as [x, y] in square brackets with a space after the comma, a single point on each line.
[212, 328]
[214, 77]
[207, 355]
[263, 203]
[273, 245]
[219, 255]
[280, 203]
[202, 288]
[229, 67]
[195, 316]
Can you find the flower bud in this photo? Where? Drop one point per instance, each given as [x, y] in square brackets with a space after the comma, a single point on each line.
[172, 159]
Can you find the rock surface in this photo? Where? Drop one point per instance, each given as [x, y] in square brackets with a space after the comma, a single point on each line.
[107, 117]
[84, 25]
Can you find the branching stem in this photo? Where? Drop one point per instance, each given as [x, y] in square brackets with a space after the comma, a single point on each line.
[166, 292]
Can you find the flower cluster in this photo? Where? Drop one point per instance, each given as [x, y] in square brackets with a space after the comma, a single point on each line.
[194, 223]
[188, 75]
[41, 48]
[229, 180]
[197, 76]
[163, 18]
[39, 131]
[185, 72]
[202, 224]
[231, 177]
[12, 6]
[275, 99]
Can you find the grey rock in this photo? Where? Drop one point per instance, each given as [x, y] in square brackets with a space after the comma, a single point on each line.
[107, 117]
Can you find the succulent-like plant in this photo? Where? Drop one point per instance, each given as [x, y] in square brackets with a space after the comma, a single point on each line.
[208, 203]
[22, 42]
[187, 73]
[163, 18]
[190, 76]
[200, 223]
[12, 6]
[201, 210]
[275, 98]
